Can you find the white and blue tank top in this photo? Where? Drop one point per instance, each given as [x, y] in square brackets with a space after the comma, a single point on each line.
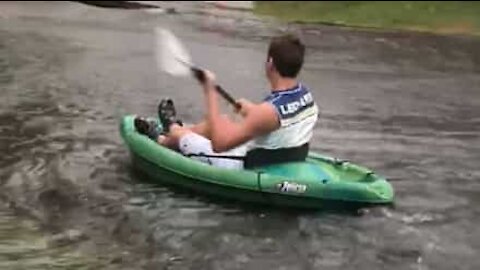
[297, 113]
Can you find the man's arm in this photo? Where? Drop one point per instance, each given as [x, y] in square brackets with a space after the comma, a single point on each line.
[258, 119]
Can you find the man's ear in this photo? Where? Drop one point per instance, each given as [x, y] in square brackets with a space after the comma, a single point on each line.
[270, 63]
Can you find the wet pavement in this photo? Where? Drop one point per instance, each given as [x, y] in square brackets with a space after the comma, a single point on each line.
[406, 105]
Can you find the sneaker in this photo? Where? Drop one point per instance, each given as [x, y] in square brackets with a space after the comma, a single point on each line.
[147, 128]
[167, 114]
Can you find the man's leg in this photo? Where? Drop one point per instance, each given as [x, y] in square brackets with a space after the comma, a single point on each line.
[171, 139]
[200, 148]
[201, 129]
[189, 142]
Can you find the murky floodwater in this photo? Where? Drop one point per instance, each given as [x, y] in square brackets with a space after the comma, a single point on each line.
[23, 246]
[406, 105]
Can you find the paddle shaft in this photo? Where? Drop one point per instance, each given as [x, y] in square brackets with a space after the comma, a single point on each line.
[200, 75]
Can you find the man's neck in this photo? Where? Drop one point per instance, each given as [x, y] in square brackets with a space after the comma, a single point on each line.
[282, 84]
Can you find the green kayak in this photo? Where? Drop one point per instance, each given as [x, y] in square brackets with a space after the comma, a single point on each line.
[318, 181]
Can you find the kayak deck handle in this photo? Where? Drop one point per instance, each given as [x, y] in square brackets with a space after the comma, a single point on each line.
[339, 162]
[368, 177]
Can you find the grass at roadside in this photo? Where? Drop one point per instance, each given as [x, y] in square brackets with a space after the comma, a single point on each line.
[447, 17]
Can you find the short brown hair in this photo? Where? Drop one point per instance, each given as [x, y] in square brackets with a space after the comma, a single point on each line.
[287, 54]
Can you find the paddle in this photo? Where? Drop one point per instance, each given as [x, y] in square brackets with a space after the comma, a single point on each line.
[174, 59]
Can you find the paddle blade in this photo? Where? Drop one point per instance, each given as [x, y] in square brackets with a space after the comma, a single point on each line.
[171, 56]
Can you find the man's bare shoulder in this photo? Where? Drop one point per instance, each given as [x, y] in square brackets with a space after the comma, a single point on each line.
[263, 118]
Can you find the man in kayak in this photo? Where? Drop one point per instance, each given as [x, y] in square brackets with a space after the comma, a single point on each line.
[276, 130]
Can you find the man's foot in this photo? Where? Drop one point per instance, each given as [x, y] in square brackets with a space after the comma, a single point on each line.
[146, 128]
[167, 114]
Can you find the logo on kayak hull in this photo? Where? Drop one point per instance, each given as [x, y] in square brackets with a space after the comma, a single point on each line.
[291, 187]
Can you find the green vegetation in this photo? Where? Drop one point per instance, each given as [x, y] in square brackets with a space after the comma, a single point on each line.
[459, 17]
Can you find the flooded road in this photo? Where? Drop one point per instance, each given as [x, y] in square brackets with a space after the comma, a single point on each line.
[406, 105]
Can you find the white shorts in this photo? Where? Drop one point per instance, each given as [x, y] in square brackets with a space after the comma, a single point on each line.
[193, 143]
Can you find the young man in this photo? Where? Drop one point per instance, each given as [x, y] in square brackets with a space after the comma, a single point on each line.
[276, 130]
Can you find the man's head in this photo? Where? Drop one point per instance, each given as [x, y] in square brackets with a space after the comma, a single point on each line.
[285, 57]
